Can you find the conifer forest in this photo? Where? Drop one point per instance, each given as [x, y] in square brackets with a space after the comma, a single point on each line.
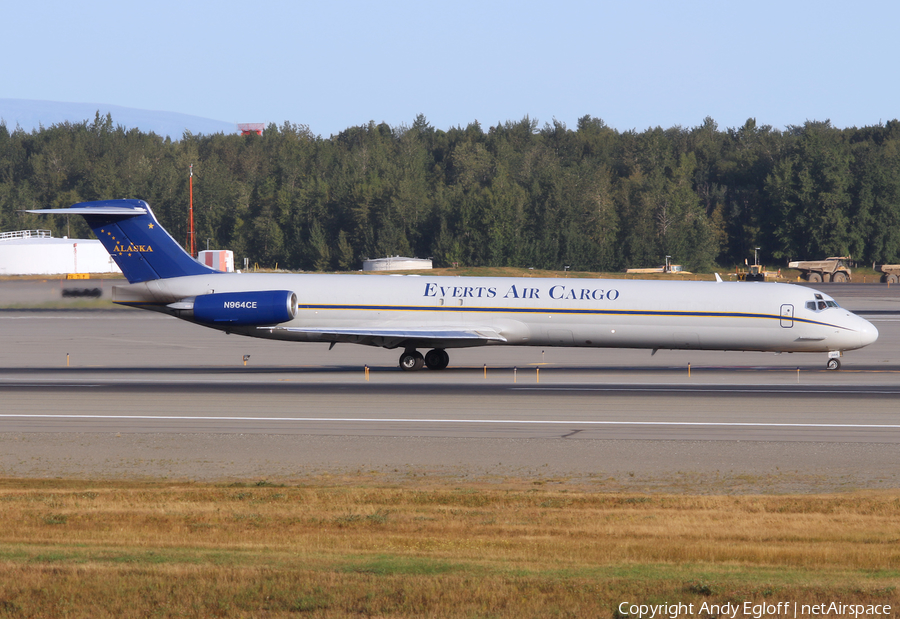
[514, 194]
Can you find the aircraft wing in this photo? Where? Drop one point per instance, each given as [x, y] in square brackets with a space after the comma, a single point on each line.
[394, 338]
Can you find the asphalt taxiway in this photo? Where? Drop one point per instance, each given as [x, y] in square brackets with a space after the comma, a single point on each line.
[135, 394]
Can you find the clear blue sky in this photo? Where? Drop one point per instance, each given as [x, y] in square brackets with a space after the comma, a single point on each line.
[332, 65]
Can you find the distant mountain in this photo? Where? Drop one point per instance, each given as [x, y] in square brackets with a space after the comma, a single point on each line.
[30, 115]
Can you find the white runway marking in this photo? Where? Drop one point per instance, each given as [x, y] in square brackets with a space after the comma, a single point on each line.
[666, 388]
[458, 421]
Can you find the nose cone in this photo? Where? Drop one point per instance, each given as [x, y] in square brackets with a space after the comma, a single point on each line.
[867, 333]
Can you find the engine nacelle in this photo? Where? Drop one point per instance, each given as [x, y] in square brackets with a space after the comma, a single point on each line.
[246, 309]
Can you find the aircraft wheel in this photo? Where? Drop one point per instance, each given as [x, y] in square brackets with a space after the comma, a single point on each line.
[411, 360]
[437, 359]
[833, 364]
[814, 278]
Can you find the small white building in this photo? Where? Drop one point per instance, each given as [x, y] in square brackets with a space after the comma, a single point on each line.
[36, 252]
[396, 263]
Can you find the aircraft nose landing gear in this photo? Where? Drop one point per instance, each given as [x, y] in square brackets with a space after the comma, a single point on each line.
[436, 359]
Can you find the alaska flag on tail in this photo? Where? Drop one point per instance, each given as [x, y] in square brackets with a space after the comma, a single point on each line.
[132, 236]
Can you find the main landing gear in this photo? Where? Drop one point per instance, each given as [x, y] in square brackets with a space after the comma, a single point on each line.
[436, 359]
[833, 364]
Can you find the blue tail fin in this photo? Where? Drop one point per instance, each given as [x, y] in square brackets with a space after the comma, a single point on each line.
[132, 236]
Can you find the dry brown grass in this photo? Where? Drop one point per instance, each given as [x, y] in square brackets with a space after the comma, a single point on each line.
[156, 549]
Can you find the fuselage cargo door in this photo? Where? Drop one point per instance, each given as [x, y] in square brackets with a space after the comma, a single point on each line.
[787, 316]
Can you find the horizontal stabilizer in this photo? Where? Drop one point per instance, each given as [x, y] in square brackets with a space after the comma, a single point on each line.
[96, 210]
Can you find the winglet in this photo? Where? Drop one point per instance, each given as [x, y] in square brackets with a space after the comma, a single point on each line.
[133, 237]
[718, 279]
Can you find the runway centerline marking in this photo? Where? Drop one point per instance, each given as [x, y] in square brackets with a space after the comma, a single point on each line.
[460, 421]
[715, 389]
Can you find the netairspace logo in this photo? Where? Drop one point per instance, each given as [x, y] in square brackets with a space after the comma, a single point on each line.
[752, 609]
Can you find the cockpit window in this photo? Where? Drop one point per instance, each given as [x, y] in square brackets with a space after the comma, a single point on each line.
[820, 304]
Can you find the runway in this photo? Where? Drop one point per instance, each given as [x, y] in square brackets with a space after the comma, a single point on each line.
[135, 394]
[694, 411]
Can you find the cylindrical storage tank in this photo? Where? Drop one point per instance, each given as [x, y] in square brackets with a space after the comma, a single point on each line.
[396, 263]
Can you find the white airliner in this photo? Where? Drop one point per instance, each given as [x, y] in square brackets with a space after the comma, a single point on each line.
[438, 313]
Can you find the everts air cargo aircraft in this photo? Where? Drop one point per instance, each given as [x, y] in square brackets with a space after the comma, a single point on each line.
[438, 313]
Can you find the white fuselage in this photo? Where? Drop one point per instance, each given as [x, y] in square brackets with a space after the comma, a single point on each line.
[607, 313]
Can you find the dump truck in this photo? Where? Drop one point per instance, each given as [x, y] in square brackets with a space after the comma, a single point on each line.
[890, 273]
[829, 270]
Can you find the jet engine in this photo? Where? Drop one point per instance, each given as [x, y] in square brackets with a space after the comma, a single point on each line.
[247, 309]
